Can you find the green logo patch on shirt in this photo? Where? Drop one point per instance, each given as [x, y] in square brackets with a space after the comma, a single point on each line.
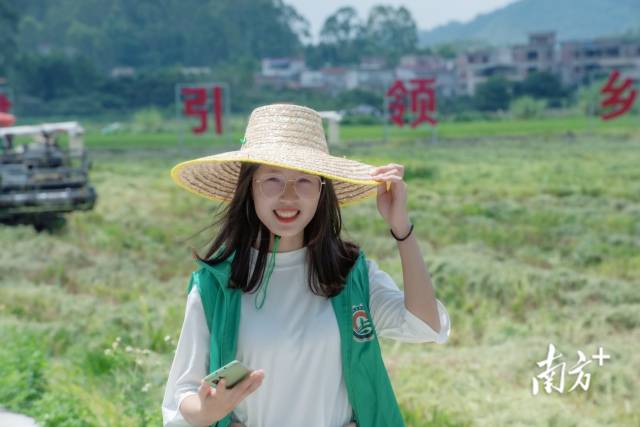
[362, 326]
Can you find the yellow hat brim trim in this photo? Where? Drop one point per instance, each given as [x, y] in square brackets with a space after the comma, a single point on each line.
[177, 168]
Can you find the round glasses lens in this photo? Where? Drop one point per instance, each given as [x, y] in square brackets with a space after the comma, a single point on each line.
[272, 186]
[308, 187]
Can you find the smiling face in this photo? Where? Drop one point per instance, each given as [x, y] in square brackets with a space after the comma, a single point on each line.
[288, 213]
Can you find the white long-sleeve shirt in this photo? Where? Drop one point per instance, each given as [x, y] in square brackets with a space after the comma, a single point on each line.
[294, 337]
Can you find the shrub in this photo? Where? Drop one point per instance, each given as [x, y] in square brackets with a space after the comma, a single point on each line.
[148, 120]
[527, 107]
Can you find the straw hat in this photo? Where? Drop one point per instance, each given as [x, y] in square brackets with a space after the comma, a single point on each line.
[281, 135]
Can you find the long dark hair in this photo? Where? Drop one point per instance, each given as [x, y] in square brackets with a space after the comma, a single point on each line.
[329, 257]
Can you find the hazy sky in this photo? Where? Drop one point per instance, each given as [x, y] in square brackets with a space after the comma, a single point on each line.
[426, 13]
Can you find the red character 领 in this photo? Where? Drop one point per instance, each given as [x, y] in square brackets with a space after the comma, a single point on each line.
[423, 101]
[397, 105]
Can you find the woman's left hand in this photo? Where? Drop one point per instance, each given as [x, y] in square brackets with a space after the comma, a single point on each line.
[392, 202]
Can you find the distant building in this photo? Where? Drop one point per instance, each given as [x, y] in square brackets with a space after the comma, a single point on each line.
[118, 72]
[582, 61]
[374, 79]
[473, 68]
[282, 67]
[372, 63]
[339, 79]
[281, 72]
[430, 66]
[312, 79]
[575, 62]
[195, 71]
[539, 54]
[373, 73]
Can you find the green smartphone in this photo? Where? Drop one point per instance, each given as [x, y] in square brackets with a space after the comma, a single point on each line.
[233, 372]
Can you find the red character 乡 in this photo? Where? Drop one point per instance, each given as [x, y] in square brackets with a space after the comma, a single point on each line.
[615, 100]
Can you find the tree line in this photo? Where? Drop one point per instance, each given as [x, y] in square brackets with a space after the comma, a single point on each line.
[57, 55]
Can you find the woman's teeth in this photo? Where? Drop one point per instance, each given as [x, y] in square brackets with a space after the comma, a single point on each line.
[286, 214]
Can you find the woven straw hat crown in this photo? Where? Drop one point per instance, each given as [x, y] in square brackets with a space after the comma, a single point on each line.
[283, 125]
[281, 135]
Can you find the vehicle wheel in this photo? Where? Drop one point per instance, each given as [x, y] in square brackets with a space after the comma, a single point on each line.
[50, 224]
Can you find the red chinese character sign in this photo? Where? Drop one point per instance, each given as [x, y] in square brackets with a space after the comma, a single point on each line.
[204, 105]
[619, 97]
[6, 118]
[419, 99]
[5, 104]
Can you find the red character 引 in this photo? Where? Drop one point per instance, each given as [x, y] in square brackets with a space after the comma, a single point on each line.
[5, 104]
[195, 104]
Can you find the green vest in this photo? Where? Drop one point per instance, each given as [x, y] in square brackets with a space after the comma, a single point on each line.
[368, 386]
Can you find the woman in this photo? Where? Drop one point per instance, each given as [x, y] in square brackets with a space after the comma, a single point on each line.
[279, 290]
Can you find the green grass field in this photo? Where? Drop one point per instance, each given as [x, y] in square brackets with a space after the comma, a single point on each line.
[530, 241]
[168, 132]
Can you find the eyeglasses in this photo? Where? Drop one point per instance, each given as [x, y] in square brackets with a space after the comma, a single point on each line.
[306, 187]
